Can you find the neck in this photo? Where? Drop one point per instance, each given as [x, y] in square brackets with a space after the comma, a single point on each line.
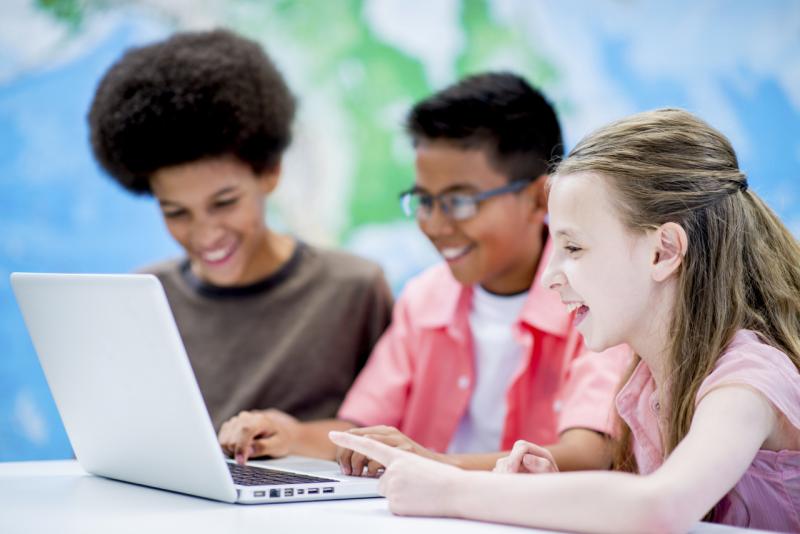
[653, 341]
[276, 250]
[519, 277]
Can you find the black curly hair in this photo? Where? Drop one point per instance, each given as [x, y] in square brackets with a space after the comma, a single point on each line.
[193, 96]
[496, 111]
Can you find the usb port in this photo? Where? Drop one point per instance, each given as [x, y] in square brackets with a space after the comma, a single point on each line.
[300, 491]
[259, 493]
[288, 492]
[312, 491]
[327, 490]
[274, 493]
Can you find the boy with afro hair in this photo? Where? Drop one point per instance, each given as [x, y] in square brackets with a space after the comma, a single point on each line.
[200, 121]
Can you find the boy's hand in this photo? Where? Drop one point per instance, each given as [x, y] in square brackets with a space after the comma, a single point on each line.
[353, 463]
[258, 433]
[525, 457]
[413, 485]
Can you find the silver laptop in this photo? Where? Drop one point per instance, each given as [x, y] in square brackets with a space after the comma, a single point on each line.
[129, 400]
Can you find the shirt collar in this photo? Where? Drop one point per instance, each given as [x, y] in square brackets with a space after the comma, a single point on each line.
[542, 310]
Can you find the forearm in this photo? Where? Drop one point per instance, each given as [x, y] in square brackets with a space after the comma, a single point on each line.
[312, 438]
[585, 502]
[580, 449]
[472, 462]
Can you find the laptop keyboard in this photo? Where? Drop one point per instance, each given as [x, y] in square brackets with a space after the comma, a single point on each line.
[248, 475]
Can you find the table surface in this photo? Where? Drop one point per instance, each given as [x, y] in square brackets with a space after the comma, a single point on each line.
[58, 496]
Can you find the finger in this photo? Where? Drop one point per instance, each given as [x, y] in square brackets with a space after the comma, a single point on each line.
[274, 446]
[369, 447]
[247, 433]
[537, 464]
[388, 439]
[381, 430]
[514, 458]
[538, 450]
[357, 463]
[501, 466]
[343, 456]
[225, 443]
[373, 467]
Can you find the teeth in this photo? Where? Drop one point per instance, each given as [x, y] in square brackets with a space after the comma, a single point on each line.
[452, 252]
[215, 255]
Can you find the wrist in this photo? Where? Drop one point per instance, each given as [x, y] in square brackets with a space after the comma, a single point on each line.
[453, 496]
[449, 459]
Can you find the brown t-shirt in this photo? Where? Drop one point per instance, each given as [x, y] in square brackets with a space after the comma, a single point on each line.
[294, 341]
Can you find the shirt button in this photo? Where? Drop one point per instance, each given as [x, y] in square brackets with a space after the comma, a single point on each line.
[463, 382]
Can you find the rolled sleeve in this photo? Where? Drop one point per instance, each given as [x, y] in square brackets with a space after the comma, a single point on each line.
[592, 382]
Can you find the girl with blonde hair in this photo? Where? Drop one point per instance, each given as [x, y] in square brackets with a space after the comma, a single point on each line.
[661, 245]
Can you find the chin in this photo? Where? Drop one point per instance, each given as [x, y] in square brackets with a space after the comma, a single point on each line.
[463, 276]
[595, 343]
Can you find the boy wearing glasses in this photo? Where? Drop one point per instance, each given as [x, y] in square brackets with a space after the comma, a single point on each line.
[479, 354]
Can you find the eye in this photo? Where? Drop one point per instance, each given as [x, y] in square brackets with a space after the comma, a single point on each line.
[459, 200]
[572, 249]
[426, 201]
[225, 202]
[174, 214]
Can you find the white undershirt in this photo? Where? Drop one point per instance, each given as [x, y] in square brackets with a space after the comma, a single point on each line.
[497, 357]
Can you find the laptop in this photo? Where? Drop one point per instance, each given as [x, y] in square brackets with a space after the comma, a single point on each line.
[130, 403]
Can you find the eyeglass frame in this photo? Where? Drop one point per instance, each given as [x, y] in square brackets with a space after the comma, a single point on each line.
[405, 198]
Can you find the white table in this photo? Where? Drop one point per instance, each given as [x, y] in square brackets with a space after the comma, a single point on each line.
[59, 497]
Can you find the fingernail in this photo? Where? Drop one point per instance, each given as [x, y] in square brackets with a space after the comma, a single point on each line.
[240, 458]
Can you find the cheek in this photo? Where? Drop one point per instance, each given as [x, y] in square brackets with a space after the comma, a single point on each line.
[178, 230]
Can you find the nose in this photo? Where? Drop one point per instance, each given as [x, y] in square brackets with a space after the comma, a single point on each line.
[205, 232]
[553, 277]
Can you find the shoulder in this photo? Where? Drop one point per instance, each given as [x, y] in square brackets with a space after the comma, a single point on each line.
[161, 267]
[342, 267]
[437, 275]
[749, 361]
[435, 288]
[748, 355]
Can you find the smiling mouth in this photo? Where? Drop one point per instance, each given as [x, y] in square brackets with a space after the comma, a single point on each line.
[581, 310]
[218, 256]
[455, 253]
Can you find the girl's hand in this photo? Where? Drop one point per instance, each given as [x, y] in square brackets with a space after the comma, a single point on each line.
[525, 457]
[413, 485]
[353, 463]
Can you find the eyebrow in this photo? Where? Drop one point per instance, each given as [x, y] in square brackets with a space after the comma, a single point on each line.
[452, 189]
[565, 232]
[221, 192]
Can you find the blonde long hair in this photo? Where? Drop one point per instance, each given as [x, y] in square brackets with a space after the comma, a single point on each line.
[742, 266]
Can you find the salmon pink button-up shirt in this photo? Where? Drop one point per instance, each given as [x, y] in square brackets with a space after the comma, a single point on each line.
[421, 373]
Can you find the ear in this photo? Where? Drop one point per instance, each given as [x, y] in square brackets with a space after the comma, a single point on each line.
[268, 179]
[537, 192]
[670, 245]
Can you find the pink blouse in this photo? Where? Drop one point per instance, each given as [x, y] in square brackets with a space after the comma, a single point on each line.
[768, 494]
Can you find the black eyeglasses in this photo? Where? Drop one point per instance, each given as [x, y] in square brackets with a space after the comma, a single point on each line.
[456, 206]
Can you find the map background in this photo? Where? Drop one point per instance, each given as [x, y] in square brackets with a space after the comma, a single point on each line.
[356, 66]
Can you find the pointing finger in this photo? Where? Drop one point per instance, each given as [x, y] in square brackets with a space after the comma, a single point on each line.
[368, 447]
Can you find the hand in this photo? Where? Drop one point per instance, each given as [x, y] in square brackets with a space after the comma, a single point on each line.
[525, 457]
[412, 484]
[353, 463]
[258, 433]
